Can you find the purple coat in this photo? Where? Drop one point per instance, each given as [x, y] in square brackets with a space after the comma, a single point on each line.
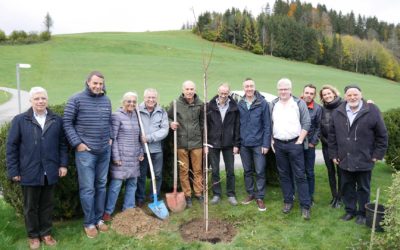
[126, 146]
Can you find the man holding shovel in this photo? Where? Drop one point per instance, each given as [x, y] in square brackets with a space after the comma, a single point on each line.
[223, 136]
[189, 126]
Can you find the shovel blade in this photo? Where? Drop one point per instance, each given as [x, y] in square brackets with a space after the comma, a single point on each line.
[159, 209]
[176, 201]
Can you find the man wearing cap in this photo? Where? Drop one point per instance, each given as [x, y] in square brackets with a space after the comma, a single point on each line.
[357, 139]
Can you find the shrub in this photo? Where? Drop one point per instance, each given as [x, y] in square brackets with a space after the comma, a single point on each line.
[3, 37]
[45, 36]
[391, 222]
[392, 121]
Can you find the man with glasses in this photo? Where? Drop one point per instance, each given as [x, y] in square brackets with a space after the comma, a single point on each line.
[290, 124]
[223, 136]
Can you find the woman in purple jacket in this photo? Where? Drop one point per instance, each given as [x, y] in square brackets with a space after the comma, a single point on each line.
[127, 151]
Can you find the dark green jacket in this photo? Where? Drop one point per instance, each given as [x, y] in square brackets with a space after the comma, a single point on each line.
[191, 120]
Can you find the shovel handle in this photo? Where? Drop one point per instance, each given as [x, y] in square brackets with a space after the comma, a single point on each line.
[175, 151]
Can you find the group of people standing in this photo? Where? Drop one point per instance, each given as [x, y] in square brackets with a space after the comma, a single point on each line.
[352, 132]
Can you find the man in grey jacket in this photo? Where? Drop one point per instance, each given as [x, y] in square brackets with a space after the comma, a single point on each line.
[156, 127]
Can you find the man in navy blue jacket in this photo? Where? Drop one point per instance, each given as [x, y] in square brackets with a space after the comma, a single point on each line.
[255, 141]
[88, 126]
[36, 158]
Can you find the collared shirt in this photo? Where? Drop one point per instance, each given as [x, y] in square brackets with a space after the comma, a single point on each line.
[352, 115]
[286, 120]
[222, 107]
[41, 119]
[248, 103]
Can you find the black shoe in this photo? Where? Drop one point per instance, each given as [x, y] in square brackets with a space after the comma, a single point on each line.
[188, 202]
[287, 207]
[360, 220]
[305, 213]
[347, 217]
[200, 199]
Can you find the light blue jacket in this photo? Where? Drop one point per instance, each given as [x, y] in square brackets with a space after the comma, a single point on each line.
[156, 126]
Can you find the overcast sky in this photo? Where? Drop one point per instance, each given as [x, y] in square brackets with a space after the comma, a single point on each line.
[76, 16]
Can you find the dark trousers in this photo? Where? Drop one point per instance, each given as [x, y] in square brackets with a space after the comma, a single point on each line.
[157, 160]
[290, 162]
[214, 156]
[38, 209]
[309, 162]
[333, 171]
[356, 190]
[254, 164]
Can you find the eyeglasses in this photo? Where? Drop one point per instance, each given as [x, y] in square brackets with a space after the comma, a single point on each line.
[130, 101]
[283, 90]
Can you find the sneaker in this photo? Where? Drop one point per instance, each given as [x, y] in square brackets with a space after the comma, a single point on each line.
[101, 226]
[48, 240]
[188, 202]
[107, 217]
[305, 213]
[347, 217]
[91, 231]
[232, 200]
[360, 220]
[287, 207]
[215, 199]
[261, 205]
[248, 199]
[200, 199]
[34, 243]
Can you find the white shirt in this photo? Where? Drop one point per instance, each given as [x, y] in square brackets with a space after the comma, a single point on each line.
[286, 118]
[41, 119]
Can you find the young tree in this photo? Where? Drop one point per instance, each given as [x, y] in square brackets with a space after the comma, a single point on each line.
[48, 22]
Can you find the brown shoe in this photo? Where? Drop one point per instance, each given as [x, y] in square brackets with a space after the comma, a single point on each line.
[107, 217]
[248, 199]
[261, 205]
[102, 227]
[91, 232]
[34, 243]
[287, 207]
[48, 240]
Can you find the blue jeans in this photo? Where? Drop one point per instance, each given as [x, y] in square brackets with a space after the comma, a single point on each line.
[290, 161]
[309, 162]
[113, 192]
[250, 155]
[157, 160]
[92, 178]
[229, 158]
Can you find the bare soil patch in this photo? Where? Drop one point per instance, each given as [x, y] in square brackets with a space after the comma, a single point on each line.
[135, 222]
[218, 231]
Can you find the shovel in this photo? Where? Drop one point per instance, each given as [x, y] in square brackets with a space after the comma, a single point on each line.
[157, 207]
[176, 202]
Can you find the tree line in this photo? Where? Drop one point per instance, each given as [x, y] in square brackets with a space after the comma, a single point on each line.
[301, 32]
[23, 37]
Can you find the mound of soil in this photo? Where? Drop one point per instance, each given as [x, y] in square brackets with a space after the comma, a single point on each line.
[218, 231]
[135, 222]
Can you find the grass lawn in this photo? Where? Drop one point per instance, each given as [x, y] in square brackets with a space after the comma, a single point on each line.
[256, 230]
[4, 96]
[135, 61]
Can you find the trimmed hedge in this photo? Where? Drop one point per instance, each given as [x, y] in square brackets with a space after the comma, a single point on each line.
[67, 203]
[392, 121]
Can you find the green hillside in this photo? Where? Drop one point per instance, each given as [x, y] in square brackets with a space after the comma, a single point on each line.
[135, 61]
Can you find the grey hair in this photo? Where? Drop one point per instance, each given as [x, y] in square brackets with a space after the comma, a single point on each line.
[187, 82]
[248, 79]
[150, 90]
[225, 84]
[127, 95]
[284, 81]
[35, 90]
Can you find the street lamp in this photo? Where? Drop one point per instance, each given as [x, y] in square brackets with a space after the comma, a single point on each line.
[20, 66]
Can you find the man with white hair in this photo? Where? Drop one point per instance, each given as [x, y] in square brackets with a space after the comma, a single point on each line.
[189, 126]
[156, 128]
[36, 158]
[291, 121]
[357, 139]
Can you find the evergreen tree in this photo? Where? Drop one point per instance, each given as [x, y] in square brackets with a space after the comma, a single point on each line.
[48, 22]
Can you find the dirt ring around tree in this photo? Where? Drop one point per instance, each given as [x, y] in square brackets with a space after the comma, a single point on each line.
[218, 231]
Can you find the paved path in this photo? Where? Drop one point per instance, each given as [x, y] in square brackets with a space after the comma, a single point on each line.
[9, 109]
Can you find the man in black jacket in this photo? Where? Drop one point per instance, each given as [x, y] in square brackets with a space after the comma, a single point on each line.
[357, 139]
[36, 158]
[223, 136]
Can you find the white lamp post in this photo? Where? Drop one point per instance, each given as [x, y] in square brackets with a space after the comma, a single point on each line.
[20, 66]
